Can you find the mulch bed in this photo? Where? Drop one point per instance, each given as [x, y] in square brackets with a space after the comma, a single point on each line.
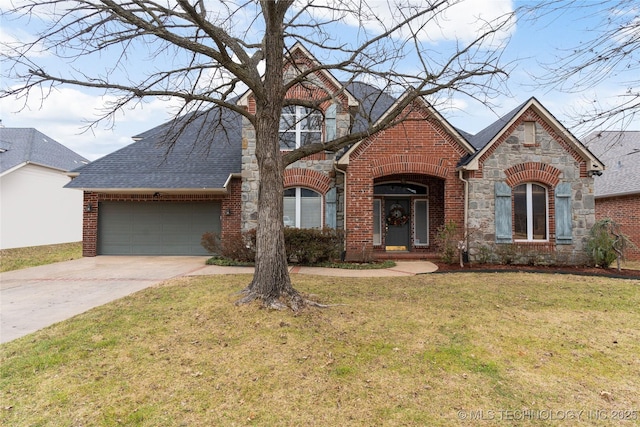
[498, 268]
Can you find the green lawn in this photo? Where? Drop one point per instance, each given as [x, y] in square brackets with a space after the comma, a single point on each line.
[429, 350]
[15, 259]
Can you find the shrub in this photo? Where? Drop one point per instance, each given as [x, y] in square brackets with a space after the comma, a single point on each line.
[606, 243]
[448, 238]
[238, 247]
[303, 246]
[311, 246]
[483, 254]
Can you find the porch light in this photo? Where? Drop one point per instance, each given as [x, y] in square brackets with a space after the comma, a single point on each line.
[89, 207]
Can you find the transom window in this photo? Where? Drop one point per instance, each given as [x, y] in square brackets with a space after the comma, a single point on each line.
[530, 206]
[302, 208]
[299, 126]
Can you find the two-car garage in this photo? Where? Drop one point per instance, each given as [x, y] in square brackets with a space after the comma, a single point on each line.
[155, 227]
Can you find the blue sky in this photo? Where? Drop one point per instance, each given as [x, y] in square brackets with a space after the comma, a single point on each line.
[63, 115]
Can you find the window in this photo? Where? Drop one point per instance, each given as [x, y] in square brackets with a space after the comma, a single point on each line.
[302, 208]
[299, 126]
[530, 212]
[377, 222]
[421, 222]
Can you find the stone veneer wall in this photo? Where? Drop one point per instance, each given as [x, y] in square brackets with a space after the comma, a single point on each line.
[534, 161]
[320, 162]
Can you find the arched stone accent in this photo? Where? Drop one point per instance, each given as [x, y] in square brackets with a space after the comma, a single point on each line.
[533, 172]
[311, 179]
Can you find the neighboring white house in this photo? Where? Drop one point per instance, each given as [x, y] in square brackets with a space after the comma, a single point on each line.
[35, 209]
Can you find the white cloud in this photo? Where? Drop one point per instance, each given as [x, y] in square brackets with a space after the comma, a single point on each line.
[65, 114]
[456, 21]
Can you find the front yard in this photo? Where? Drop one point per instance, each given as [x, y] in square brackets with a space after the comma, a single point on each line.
[446, 349]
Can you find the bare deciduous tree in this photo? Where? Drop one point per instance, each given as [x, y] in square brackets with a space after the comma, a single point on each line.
[204, 52]
[610, 54]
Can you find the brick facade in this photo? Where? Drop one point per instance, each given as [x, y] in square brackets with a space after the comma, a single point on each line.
[452, 182]
[419, 151]
[624, 210]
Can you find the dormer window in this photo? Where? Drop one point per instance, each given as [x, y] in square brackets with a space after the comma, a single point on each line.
[299, 126]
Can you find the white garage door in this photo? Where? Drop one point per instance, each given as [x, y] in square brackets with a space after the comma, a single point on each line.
[155, 228]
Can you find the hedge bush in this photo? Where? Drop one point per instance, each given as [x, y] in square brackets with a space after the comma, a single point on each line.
[303, 246]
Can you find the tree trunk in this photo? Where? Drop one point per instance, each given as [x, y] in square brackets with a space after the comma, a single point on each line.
[271, 282]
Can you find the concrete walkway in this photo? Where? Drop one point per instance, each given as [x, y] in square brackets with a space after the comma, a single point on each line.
[402, 268]
[33, 298]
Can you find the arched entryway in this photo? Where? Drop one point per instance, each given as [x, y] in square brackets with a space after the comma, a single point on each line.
[407, 212]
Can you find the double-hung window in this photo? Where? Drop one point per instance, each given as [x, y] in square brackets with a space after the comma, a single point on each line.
[530, 216]
[299, 126]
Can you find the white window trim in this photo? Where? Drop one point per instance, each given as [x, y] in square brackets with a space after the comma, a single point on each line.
[377, 220]
[298, 131]
[529, 195]
[421, 244]
[298, 204]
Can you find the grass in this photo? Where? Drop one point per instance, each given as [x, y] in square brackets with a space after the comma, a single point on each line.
[15, 259]
[410, 351]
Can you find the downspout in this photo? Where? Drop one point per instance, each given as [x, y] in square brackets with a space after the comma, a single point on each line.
[466, 209]
[344, 209]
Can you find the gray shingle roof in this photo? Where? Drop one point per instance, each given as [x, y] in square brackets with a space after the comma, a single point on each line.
[482, 138]
[207, 149]
[198, 151]
[205, 152]
[620, 152]
[27, 145]
[373, 104]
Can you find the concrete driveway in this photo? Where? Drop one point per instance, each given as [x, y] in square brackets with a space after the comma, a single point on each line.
[34, 298]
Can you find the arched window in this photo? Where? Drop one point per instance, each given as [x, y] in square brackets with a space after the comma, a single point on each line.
[302, 208]
[530, 212]
[299, 126]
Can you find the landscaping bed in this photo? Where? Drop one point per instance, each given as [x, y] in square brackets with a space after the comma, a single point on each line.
[552, 269]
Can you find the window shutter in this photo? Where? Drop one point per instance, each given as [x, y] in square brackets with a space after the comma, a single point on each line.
[503, 213]
[330, 122]
[331, 203]
[563, 214]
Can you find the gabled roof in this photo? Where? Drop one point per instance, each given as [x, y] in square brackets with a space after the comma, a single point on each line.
[620, 152]
[454, 132]
[486, 138]
[373, 103]
[206, 151]
[351, 100]
[21, 146]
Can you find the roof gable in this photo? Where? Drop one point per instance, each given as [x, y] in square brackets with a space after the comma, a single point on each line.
[298, 50]
[484, 140]
[431, 112]
[20, 146]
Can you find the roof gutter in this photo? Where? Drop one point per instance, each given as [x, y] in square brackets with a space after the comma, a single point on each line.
[614, 195]
[231, 176]
[177, 191]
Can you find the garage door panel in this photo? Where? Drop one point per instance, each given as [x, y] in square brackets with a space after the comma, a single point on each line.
[158, 228]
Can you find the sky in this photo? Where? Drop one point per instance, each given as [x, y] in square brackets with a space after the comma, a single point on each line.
[64, 114]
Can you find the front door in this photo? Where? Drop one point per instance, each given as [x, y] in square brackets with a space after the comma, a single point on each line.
[398, 224]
